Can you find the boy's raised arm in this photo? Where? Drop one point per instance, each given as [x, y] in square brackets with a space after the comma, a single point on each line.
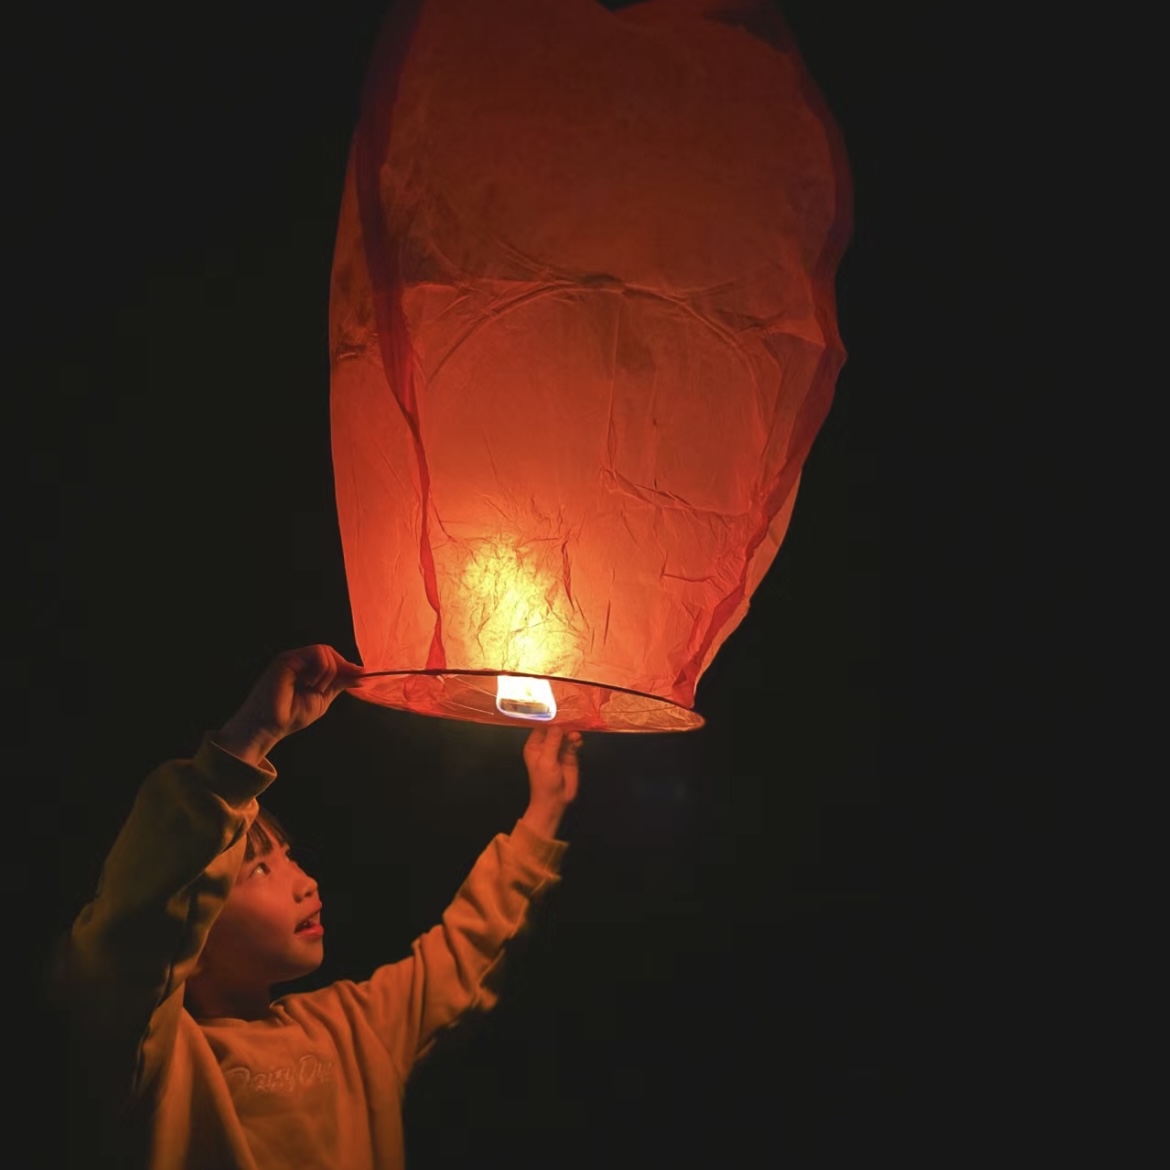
[454, 967]
[121, 971]
[131, 948]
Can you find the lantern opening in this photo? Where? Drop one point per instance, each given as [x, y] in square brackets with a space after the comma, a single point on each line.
[521, 697]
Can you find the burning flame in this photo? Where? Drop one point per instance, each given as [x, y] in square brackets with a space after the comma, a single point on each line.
[525, 698]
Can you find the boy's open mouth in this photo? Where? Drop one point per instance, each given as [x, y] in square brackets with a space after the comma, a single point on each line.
[313, 922]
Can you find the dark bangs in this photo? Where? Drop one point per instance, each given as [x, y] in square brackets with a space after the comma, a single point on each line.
[265, 834]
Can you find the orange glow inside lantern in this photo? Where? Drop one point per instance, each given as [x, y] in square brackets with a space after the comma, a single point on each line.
[582, 334]
[513, 612]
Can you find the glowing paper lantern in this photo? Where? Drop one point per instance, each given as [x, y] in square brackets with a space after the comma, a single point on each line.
[582, 337]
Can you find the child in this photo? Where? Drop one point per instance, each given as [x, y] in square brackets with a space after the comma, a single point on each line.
[167, 973]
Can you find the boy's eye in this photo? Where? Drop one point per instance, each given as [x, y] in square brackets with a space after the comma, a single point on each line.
[260, 867]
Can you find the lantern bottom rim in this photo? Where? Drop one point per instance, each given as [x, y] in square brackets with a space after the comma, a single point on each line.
[470, 696]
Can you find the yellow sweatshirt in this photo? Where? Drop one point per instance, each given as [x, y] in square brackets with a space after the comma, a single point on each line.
[320, 1081]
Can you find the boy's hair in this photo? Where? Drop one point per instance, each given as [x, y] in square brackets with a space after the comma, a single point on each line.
[265, 833]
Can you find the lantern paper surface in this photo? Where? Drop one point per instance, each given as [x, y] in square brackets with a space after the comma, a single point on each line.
[582, 334]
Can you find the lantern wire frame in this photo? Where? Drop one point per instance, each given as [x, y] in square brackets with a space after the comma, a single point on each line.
[470, 695]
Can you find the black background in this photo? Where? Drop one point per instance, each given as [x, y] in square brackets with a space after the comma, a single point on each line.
[776, 939]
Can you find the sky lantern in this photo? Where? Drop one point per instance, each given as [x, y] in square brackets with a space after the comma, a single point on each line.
[582, 335]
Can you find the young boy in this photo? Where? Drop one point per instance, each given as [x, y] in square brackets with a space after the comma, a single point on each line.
[167, 974]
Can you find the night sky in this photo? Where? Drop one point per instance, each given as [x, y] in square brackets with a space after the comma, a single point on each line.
[740, 967]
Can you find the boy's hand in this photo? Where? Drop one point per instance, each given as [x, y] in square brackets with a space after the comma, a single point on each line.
[295, 690]
[550, 755]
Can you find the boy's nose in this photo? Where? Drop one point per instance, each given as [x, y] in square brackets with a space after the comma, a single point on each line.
[305, 886]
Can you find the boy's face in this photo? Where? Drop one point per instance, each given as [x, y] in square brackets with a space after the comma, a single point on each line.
[269, 930]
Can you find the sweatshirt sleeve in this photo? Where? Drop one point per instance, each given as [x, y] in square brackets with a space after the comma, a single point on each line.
[453, 968]
[121, 971]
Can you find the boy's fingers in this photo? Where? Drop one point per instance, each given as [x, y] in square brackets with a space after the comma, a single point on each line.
[330, 662]
[551, 748]
[306, 665]
[342, 674]
[533, 744]
[341, 664]
[322, 669]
